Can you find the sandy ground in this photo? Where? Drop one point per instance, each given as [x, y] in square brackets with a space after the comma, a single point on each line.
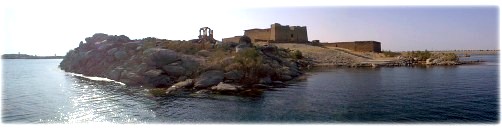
[325, 55]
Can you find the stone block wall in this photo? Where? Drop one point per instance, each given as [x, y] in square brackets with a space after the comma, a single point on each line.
[277, 33]
[234, 39]
[287, 34]
[361, 46]
[258, 35]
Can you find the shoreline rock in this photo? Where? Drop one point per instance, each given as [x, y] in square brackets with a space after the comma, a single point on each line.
[208, 79]
[225, 88]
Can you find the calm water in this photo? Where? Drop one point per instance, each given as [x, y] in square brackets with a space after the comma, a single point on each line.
[36, 91]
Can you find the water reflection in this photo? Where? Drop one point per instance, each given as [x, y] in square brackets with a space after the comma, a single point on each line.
[105, 101]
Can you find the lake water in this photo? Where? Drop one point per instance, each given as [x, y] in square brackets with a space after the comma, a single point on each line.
[37, 91]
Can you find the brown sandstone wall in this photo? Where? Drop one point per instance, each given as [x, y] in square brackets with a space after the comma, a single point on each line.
[276, 33]
[280, 33]
[231, 39]
[257, 35]
[301, 33]
[368, 46]
[288, 34]
[362, 46]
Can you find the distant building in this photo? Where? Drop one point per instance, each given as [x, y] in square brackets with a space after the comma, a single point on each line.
[277, 33]
[361, 46]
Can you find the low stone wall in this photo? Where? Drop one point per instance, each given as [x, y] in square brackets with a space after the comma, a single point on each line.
[361, 46]
[234, 39]
[258, 34]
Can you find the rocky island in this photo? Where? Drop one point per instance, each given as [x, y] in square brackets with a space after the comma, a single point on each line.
[173, 67]
[240, 65]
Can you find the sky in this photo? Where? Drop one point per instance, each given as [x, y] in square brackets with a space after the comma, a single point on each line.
[55, 26]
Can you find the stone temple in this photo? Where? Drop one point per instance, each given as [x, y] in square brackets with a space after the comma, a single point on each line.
[277, 33]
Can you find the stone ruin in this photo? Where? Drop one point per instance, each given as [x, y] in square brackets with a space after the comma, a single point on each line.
[277, 33]
[206, 36]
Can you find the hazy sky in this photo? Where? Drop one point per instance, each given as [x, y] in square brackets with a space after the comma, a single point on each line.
[53, 27]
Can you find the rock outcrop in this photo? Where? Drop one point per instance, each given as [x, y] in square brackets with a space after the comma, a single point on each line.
[120, 59]
[426, 58]
[224, 87]
[180, 86]
[209, 78]
[443, 59]
[181, 65]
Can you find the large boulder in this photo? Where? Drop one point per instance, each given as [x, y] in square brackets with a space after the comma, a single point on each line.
[178, 87]
[141, 68]
[174, 70]
[189, 65]
[121, 54]
[209, 78]
[112, 51]
[234, 75]
[131, 78]
[132, 45]
[429, 61]
[104, 47]
[115, 73]
[90, 54]
[185, 84]
[160, 57]
[159, 81]
[118, 39]
[96, 38]
[153, 73]
[224, 87]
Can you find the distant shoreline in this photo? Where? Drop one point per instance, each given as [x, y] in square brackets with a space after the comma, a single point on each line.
[460, 52]
[33, 58]
[470, 52]
[25, 56]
